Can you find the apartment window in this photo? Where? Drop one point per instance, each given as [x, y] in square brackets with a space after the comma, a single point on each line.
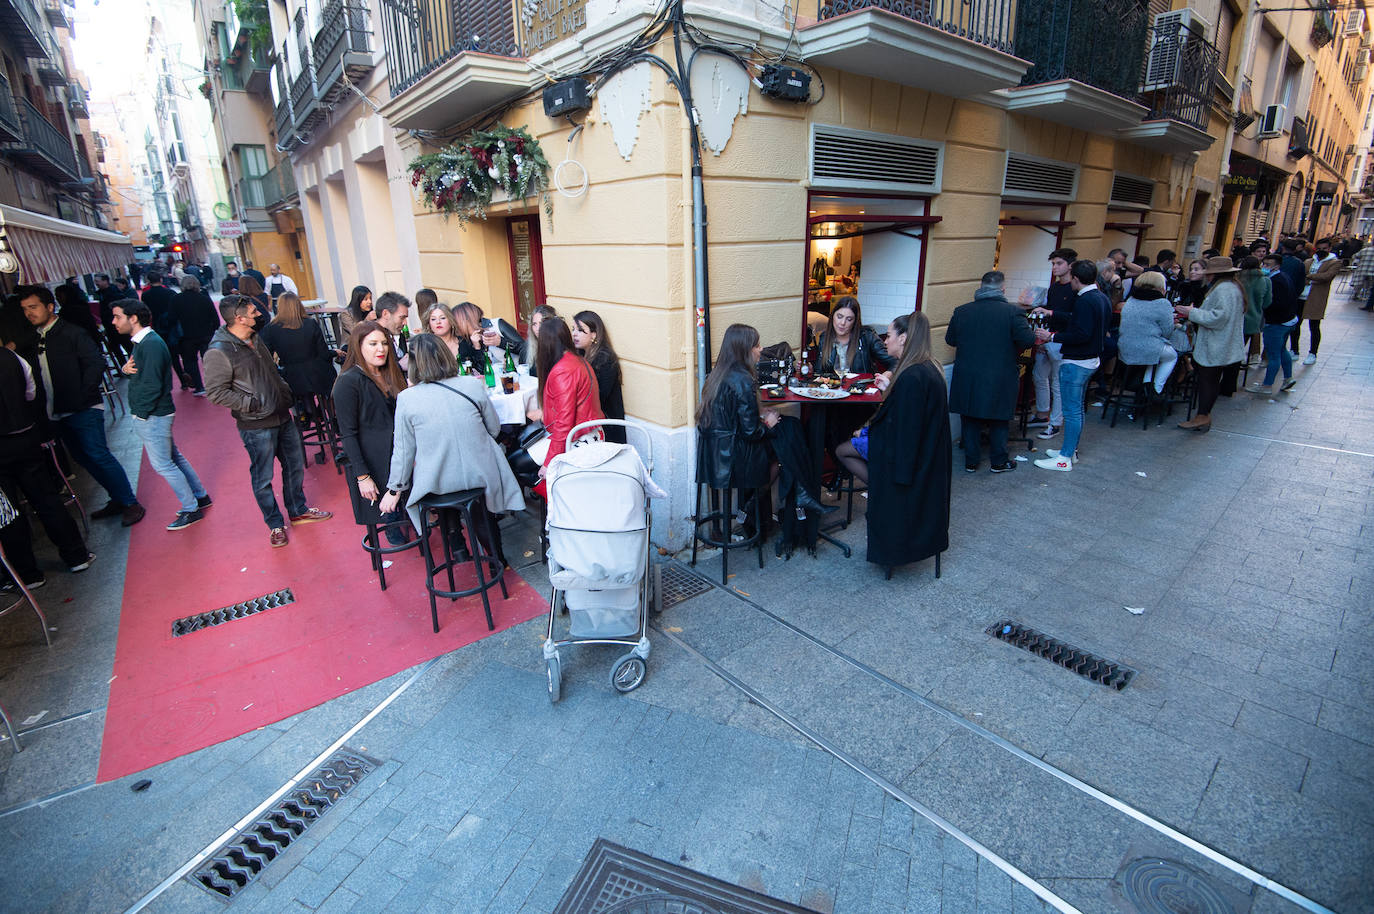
[1226, 24]
[252, 165]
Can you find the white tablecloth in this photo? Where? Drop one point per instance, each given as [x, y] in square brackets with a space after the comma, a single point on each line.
[512, 408]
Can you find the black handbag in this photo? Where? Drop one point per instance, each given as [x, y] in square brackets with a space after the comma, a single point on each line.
[525, 467]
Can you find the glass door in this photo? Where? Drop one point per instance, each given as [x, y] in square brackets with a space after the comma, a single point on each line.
[526, 266]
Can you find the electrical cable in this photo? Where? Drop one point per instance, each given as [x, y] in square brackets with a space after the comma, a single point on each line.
[568, 160]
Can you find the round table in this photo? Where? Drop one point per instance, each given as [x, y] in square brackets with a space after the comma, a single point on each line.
[512, 408]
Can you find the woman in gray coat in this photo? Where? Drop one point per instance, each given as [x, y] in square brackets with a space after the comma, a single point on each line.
[1220, 337]
[1147, 325]
[446, 440]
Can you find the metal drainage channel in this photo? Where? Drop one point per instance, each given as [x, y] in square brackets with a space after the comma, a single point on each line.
[230, 613]
[676, 584]
[236, 864]
[1073, 659]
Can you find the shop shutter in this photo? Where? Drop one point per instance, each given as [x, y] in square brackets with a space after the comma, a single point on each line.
[860, 160]
[1128, 190]
[1031, 178]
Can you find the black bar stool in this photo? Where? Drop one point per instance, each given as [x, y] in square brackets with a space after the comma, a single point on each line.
[319, 429]
[447, 506]
[720, 518]
[372, 539]
[69, 497]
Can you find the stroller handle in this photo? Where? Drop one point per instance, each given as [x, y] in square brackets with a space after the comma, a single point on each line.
[582, 427]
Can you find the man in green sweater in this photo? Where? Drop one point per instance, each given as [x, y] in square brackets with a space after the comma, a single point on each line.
[150, 400]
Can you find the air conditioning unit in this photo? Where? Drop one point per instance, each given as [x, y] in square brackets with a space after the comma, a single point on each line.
[1355, 22]
[1361, 71]
[1272, 122]
[1172, 30]
[1366, 40]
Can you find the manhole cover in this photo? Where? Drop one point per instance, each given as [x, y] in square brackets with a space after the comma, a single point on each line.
[235, 865]
[1074, 659]
[678, 585]
[1155, 885]
[230, 613]
[617, 880]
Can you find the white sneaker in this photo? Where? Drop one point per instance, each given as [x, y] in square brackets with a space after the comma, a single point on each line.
[1056, 462]
[1050, 431]
[1310, 359]
[1054, 452]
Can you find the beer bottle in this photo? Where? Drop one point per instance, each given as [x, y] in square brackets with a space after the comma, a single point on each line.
[490, 374]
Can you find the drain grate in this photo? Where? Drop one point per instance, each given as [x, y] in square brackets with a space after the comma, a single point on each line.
[235, 865]
[617, 880]
[678, 585]
[1077, 660]
[1156, 885]
[230, 613]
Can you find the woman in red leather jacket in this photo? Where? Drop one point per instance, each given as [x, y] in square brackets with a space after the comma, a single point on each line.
[568, 394]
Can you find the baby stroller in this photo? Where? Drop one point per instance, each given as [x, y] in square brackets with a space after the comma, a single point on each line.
[598, 530]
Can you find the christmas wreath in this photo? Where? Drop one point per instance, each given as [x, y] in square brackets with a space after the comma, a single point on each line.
[461, 178]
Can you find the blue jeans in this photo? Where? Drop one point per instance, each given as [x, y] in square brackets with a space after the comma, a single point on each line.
[167, 460]
[284, 444]
[1276, 352]
[1073, 382]
[84, 434]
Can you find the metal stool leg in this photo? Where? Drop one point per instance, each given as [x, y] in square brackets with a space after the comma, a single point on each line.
[51, 448]
[479, 561]
[14, 737]
[23, 589]
[696, 526]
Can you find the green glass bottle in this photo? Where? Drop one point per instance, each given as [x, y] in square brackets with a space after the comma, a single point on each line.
[510, 363]
[490, 374]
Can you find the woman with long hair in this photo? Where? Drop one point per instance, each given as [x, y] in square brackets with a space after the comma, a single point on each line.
[467, 324]
[846, 345]
[732, 451]
[593, 342]
[568, 394]
[531, 345]
[298, 343]
[445, 442]
[199, 319]
[438, 320]
[1219, 340]
[365, 407]
[1147, 324]
[249, 286]
[910, 453]
[359, 309]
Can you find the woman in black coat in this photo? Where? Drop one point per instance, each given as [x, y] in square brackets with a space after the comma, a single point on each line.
[732, 447]
[199, 319]
[365, 406]
[305, 358]
[848, 346]
[909, 453]
[592, 340]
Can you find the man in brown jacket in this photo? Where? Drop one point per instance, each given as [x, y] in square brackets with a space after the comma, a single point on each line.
[1321, 270]
[241, 375]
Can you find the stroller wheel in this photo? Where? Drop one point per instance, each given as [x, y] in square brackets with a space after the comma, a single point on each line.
[555, 671]
[628, 673]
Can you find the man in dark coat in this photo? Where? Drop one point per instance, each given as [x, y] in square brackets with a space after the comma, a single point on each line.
[108, 294]
[988, 332]
[160, 300]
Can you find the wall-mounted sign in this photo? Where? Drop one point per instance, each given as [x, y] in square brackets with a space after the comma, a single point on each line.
[1323, 199]
[547, 22]
[230, 228]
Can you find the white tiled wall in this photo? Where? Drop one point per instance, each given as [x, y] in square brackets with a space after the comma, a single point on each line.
[891, 276]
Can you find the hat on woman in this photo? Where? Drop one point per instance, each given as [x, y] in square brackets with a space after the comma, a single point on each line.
[1215, 266]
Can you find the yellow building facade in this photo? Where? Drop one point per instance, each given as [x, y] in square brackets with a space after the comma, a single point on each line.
[926, 151]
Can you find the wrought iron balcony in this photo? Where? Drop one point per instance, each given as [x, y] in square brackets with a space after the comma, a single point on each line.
[52, 69]
[43, 147]
[954, 47]
[1179, 75]
[249, 70]
[343, 45]
[11, 128]
[279, 185]
[22, 24]
[422, 35]
[1100, 43]
[988, 23]
[56, 12]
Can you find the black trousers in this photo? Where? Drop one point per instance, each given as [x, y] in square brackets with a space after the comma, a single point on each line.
[191, 351]
[1208, 386]
[24, 470]
[972, 430]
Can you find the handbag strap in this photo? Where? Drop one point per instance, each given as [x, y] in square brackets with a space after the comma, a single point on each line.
[463, 395]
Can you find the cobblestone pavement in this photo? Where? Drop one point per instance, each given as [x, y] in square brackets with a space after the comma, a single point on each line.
[1245, 729]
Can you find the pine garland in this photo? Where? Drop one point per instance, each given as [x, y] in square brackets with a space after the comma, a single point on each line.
[460, 179]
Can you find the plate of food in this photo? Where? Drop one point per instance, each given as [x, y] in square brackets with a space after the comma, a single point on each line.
[821, 393]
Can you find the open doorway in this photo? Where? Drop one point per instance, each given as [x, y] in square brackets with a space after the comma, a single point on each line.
[526, 267]
[1026, 236]
[871, 247]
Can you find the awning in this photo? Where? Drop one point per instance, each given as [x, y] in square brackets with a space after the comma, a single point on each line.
[51, 249]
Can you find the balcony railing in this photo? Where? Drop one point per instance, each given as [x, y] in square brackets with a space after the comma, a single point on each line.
[11, 128]
[421, 35]
[248, 72]
[57, 14]
[1178, 76]
[279, 184]
[342, 45]
[1097, 42]
[989, 22]
[22, 23]
[43, 145]
[251, 193]
[52, 69]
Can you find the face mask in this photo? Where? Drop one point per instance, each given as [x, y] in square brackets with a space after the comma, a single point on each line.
[1270, 271]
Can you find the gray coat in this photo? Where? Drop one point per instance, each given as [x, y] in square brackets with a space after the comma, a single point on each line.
[988, 333]
[1220, 337]
[1146, 328]
[445, 445]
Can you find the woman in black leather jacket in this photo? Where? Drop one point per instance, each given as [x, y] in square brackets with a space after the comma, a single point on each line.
[847, 345]
[733, 451]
